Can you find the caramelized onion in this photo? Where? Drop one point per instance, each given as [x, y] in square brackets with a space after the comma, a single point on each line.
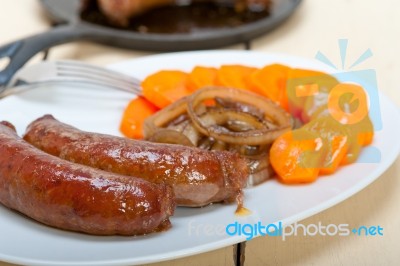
[238, 106]
[256, 136]
[234, 120]
[170, 136]
[163, 117]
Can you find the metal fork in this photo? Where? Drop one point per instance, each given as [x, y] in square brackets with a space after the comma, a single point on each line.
[70, 71]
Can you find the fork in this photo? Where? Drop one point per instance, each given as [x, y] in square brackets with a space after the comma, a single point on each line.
[70, 71]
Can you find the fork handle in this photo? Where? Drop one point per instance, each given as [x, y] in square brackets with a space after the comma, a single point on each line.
[19, 52]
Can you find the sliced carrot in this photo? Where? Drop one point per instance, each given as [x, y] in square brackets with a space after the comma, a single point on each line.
[315, 92]
[165, 87]
[336, 138]
[337, 151]
[358, 135]
[134, 115]
[353, 151]
[201, 77]
[296, 156]
[347, 105]
[356, 141]
[348, 102]
[364, 130]
[303, 84]
[270, 81]
[366, 138]
[235, 76]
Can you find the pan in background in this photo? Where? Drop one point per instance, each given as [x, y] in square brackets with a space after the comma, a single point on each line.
[66, 13]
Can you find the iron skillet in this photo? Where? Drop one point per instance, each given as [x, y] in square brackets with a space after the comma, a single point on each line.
[72, 28]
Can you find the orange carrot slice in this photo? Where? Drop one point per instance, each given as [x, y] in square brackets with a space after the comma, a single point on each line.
[165, 87]
[270, 81]
[234, 76]
[337, 150]
[201, 77]
[296, 156]
[303, 84]
[134, 115]
[337, 141]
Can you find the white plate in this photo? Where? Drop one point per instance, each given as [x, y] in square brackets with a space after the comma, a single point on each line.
[27, 242]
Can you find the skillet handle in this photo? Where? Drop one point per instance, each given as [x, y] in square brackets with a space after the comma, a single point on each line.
[19, 52]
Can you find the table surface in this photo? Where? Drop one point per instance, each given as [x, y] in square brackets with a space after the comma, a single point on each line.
[316, 26]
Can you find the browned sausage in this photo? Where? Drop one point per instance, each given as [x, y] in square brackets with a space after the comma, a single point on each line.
[120, 11]
[76, 197]
[199, 177]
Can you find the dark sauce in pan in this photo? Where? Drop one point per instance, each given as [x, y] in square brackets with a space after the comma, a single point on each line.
[196, 17]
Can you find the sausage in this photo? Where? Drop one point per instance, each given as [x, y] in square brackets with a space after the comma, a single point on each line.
[199, 177]
[119, 12]
[78, 198]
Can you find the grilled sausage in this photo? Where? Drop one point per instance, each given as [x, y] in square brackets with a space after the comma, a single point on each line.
[76, 197]
[199, 177]
[119, 12]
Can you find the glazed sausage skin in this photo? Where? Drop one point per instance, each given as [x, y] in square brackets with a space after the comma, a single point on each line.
[199, 177]
[75, 197]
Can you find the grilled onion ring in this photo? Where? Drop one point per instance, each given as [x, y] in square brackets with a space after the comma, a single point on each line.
[258, 136]
[153, 123]
[170, 136]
